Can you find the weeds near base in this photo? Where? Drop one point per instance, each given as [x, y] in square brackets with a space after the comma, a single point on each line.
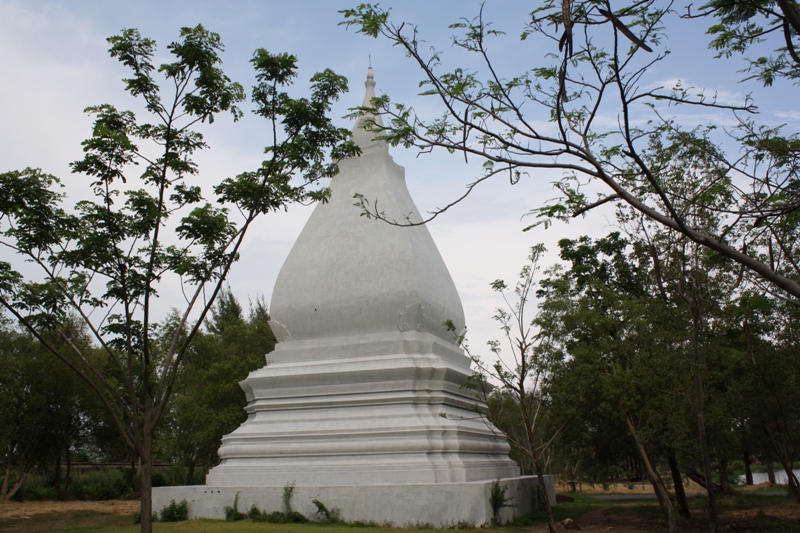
[498, 499]
[328, 516]
[232, 514]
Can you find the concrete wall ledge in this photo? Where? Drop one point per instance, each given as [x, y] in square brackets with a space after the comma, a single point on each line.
[438, 504]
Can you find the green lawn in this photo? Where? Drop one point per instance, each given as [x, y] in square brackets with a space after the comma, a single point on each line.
[642, 514]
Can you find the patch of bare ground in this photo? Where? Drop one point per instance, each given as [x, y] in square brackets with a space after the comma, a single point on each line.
[739, 513]
[619, 518]
[644, 487]
[12, 510]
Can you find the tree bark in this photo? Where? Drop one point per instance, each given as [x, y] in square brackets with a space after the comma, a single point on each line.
[548, 507]
[9, 462]
[713, 518]
[770, 472]
[189, 479]
[69, 473]
[57, 477]
[748, 472]
[724, 482]
[677, 481]
[785, 459]
[146, 470]
[658, 484]
[22, 476]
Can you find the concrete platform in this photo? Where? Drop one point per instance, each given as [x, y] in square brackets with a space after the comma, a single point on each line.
[437, 504]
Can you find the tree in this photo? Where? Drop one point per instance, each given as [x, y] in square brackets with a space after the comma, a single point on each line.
[613, 343]
[519, 406]
[42, 412]
[209, 403]
[605, 53]
[103, 260]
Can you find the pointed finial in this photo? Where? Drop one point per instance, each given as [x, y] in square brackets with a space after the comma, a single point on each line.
[370, 85]
[369, 57]
[363, 138]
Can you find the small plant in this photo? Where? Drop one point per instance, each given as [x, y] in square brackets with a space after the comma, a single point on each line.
[498, 499]
[175, 512]
[288, 491]
[255, 513]
[419, 525]
[368, 523]
[327, 516]
[137, 518]
[275, 517]
[461, 524]
[232, 514]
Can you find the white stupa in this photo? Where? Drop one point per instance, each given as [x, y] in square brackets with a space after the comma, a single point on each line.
[361, 404]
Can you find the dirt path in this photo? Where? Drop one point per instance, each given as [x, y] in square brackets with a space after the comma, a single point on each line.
[10, 510]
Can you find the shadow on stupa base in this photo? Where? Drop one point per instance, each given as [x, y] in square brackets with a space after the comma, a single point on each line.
[438, 504]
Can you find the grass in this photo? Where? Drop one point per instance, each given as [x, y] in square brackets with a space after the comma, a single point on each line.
[641, 515]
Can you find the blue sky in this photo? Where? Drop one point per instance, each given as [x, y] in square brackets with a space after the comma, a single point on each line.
[54, 63]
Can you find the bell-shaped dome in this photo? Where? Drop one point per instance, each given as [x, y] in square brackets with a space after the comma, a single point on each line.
[350, 275]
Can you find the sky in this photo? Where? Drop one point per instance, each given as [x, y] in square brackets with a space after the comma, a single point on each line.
[54, 63]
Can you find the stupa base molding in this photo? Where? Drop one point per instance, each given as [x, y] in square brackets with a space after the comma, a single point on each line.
[438, 504]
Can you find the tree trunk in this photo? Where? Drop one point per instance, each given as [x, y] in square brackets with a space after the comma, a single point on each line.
[677, 481]
[146, 470]
[748, 472]
[724, 482]
[189, 479]
[658, 484]
[69, 473]
[23, 474]
[700, 479]
[713, 519]
[57, 477]
[9, 462]
[785, 459]
[551, 524]
[770, 472]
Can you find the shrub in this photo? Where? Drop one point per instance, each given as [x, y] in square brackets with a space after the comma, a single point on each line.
[327, 516]
[232, 514]
[498, 499]
[275, 517]
[175, 512]
[288, 490]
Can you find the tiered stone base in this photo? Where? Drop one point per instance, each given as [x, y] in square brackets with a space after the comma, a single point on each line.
[438, 504]
[379, 426]
[378, 409]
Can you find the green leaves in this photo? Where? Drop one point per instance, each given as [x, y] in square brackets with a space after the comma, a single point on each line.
[744, 25]
[368, 18]
[146, 226]
[31, 209]
[136, 52]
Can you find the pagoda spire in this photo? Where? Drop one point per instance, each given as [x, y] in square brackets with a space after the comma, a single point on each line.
[365, 139]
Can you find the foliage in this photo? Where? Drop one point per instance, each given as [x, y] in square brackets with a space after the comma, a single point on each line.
[232, 513]
[103, 260]
[327, 516]
[276, 517]
[520, 404]
[209, 402]
[175, 512]
[552, 116]
[286, 497]
[497, 499]
[286, 516]
[43, 411]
